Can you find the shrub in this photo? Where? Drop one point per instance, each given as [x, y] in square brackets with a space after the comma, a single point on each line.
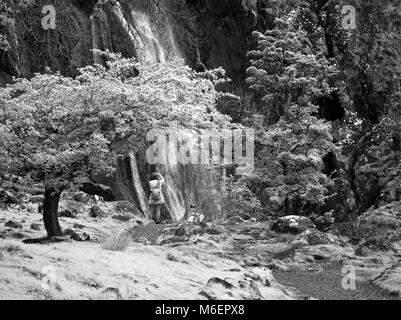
[239, 200]
[10, 247]
[118, 242]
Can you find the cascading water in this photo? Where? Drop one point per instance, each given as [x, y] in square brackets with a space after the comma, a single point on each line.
[138, 32]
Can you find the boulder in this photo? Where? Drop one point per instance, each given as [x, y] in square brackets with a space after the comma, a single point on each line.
[292, 224]
[316, 237]
[126, 206]
[98, 189]
[67, 214]
[219, 282]
[35, 226]
[13, 224]
[382, 222]
[75, 236]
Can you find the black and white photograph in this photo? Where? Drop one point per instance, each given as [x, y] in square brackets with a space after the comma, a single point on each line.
[204, 157]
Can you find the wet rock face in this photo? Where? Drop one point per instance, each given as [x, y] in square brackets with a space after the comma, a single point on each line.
[147, 30]
[226, 27]
[85, 5]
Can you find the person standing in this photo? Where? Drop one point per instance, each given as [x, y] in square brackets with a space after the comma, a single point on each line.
[156, 199]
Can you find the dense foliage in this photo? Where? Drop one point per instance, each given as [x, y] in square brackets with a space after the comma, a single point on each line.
[62, 131]
[290, 77]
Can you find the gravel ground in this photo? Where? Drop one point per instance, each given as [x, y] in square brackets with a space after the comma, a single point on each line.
[326, 285]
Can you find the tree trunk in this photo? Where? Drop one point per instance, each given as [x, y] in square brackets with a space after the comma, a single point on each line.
[50, 212]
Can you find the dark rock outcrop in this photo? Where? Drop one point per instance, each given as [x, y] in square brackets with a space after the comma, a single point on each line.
[67, 214]
[98, 189]
[13, 224]
[292, 224]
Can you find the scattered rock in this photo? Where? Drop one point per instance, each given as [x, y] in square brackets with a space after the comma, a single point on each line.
[251, 261]
[292, 224]
[316, 237]
[81, 197]
[35, 226]
[122, 217]
[67, 214]
[97, 212]
[126, 206]
[265, 276]
[162, 240]
[172, 257]
[37, 199]
[235, 219]
[299, 242]
[75, 236]
[30, 207]
[13, 224]
[180, 232]
[195, 218]
[215, 230]
[272, 251]
[17, 235]
[217, 281]
[208, 294]
[278, 266]
[327, 252]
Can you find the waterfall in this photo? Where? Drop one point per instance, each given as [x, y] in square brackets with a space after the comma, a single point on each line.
[130, 27]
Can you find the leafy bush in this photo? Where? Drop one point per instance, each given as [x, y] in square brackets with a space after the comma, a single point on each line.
[239, 200]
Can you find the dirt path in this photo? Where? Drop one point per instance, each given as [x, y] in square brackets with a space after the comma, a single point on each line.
[150, 232]
[326, 285]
